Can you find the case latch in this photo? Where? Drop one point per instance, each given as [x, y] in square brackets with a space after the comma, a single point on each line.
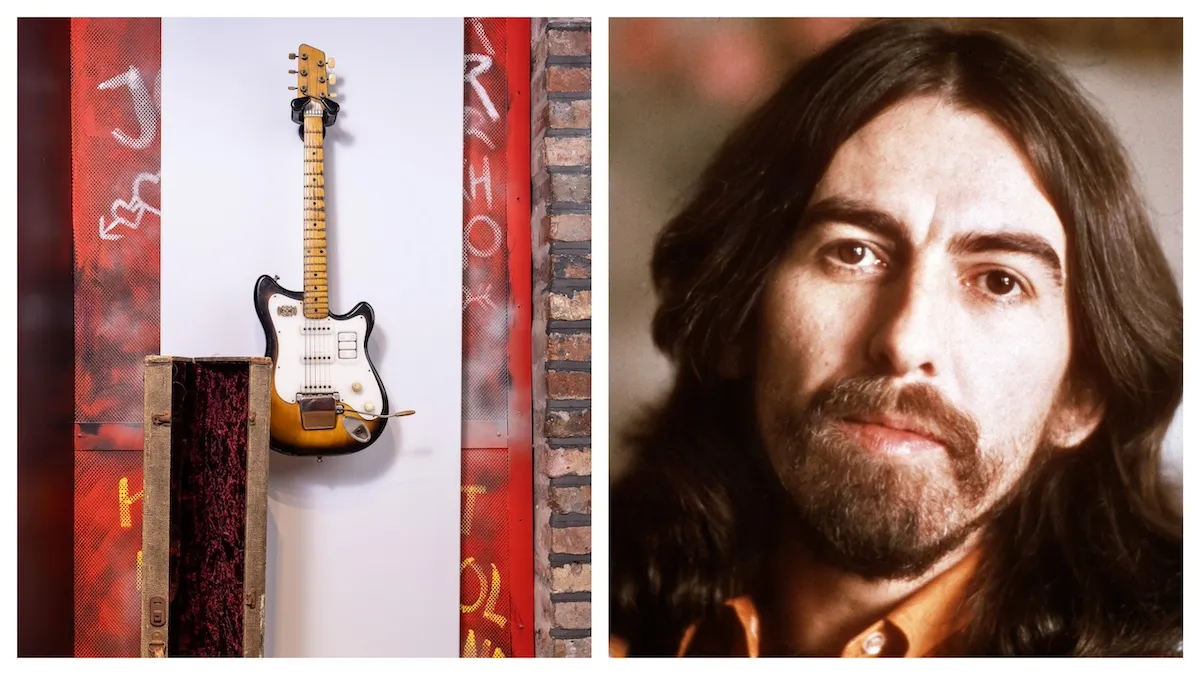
[158, 646]
[158, 612]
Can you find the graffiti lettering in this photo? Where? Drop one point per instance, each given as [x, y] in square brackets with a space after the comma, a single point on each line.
[471, 491]
[483, 63]
[470, 651]
[145, 109]
[124, 501]
[493, 230]
[481, 33]
[483, 298]
[473, 128]
[493, 594]
[485, 179]
[135, 206]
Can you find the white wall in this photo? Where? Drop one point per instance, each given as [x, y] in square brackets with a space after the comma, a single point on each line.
[363, 550]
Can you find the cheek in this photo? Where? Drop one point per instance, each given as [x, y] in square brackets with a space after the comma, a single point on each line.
[808, 338]
[1011, 377]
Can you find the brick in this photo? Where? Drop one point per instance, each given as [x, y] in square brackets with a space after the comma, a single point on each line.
[567, 462]
[568, 423]
[571, 227]
[568, 150]
[565, 385]
[577, 540]
[572, 265]
[569, 42]
[571, 79]
[571, 114]
[571, 21]
[571, 307]
[571, 578]
[571, 499]
[575, 188]
[573, 615]
[581, 648]
[569, 347]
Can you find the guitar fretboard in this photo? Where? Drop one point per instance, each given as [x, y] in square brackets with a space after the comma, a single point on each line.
[316, 281]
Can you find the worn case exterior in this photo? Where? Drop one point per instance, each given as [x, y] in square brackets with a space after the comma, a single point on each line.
[156, 498]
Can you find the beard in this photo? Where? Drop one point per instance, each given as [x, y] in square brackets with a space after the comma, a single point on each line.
[868, 513]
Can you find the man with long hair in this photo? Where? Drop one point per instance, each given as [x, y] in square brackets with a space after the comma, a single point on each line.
[926, 352]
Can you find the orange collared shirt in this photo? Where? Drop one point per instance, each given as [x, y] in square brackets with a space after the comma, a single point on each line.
[922, 625]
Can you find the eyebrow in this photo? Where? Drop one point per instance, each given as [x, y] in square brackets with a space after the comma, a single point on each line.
[854, 212]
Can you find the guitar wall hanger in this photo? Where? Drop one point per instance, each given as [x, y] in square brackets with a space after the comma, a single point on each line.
[328, 117]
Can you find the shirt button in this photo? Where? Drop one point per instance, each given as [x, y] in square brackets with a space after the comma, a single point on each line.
[873, 644]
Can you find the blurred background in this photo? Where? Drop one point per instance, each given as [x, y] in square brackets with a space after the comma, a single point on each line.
[677, 86]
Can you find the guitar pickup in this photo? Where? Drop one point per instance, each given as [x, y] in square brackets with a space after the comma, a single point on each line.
[347, 345]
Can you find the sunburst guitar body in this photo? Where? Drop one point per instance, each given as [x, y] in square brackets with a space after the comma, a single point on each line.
[327, 398]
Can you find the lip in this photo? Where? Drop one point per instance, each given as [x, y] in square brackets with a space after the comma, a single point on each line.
[892, 435]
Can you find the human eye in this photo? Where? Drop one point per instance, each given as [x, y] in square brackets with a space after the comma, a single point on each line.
[999, 285]
[852, 256]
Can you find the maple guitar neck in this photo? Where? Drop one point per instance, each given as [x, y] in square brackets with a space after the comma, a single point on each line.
[316, 263]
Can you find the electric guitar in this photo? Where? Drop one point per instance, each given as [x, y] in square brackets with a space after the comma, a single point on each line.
[326, 395]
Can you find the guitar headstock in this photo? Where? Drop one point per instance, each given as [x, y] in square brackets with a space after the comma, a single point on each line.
[312, 73]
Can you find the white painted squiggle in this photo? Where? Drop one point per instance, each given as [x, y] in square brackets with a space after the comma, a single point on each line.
[135, 205]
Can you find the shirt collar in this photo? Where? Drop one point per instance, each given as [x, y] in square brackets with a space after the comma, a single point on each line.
[921, 625]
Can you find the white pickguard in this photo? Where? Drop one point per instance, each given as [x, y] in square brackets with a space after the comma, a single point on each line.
[322, 356]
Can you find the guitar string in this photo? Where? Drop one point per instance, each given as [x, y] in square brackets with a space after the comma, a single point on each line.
[309, 346]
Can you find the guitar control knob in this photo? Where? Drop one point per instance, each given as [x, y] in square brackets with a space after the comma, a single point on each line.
[370, 407]
[356, 387]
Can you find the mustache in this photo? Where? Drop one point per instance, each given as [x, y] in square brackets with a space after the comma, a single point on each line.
[919, 404]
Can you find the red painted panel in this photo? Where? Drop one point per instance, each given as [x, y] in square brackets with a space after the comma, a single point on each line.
[487, 575]
[520, 347]
[485, 251]
[497, 564]
[115, 146]
[108, 542]
[115, 173]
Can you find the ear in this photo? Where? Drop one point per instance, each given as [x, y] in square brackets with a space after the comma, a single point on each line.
[1076, 415]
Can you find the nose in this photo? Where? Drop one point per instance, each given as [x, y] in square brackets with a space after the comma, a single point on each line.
[910, 318]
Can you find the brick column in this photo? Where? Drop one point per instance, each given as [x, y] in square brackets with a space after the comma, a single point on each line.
[561, 156]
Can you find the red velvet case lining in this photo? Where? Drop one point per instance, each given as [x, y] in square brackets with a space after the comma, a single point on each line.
[209, 403]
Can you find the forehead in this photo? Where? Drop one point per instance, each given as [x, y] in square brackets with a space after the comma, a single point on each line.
[940, 170]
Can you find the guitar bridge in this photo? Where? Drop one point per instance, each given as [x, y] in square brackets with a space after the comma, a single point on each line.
[318, 412]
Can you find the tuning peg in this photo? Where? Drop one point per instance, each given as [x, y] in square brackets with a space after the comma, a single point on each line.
[291, 89]
[292, 56]
[331, 62]
[333, 95]
[332, 79]
[291, 72]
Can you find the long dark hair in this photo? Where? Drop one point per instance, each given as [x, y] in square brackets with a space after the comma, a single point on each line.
[1088, 559]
